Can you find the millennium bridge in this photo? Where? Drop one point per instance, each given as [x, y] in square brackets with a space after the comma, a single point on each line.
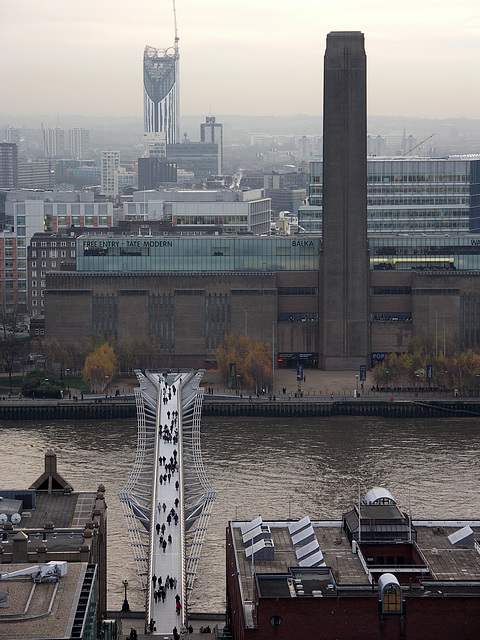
[167, 500]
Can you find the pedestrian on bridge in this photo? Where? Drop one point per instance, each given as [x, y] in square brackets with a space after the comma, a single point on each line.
[170, 542]
[175, 517]
[178, 608]
[158, 528]
[164, 507]
[154, 580]
[164, 545]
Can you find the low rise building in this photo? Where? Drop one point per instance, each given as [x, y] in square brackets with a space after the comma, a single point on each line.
[51, 525]
[374, 574]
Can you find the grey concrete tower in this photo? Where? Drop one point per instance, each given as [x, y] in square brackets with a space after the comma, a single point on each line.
[344, 331]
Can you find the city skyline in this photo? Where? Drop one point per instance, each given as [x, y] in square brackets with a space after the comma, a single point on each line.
[262, 59]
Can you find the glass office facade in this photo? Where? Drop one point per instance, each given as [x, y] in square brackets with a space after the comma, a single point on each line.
[432, 253]
[197, 254]
[410, 195]
[253, 254]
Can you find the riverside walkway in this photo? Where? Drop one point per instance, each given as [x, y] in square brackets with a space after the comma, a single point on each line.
[168, 498]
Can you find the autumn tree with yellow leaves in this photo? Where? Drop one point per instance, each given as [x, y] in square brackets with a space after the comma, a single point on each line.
[251, 360]
[100, 367]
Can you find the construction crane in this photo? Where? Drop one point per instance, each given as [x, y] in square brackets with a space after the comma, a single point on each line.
[417, 145]
[175, 24]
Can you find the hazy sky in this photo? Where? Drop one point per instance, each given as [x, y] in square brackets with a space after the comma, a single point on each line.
[252, 57]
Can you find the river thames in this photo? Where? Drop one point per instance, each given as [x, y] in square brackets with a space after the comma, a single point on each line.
[278, 468]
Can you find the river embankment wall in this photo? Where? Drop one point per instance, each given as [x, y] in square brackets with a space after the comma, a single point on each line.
[100, 409]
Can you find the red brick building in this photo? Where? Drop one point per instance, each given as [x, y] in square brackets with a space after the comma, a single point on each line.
[387, 578]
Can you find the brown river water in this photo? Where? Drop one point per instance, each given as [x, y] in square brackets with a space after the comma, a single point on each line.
[278, 468]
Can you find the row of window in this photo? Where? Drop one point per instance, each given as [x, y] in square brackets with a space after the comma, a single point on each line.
[52, 254]
[75, 209]
[52, 244]
[427, 189]
[297, 317]
[10, 242]
[417, 177]
[297, 291]
[390, 291]
[391, 316]
[412, 215]
[404, 200]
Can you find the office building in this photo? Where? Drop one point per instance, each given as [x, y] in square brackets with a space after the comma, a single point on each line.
[8, 165]
[12, 134]
[374, 573]
[410, 195]
[36, 174]
[79, 142]
[286, 189]
[211, 131]
[54, 142]
[33, 212]
[161, 92]
[152, 172]
[155, 145]
[199, 158]
[233, 210]
[110, 164]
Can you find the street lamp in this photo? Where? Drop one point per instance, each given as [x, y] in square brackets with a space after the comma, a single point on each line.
[67, 371]
[418, 382]
[357, 383]
[125, 605]
[476, 385]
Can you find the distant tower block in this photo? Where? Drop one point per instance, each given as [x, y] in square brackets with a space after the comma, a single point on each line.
[344, 333]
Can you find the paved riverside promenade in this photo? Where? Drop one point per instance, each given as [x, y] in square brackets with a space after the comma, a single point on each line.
[323, 393]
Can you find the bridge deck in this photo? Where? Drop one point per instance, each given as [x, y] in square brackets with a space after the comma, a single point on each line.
[167, 558]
